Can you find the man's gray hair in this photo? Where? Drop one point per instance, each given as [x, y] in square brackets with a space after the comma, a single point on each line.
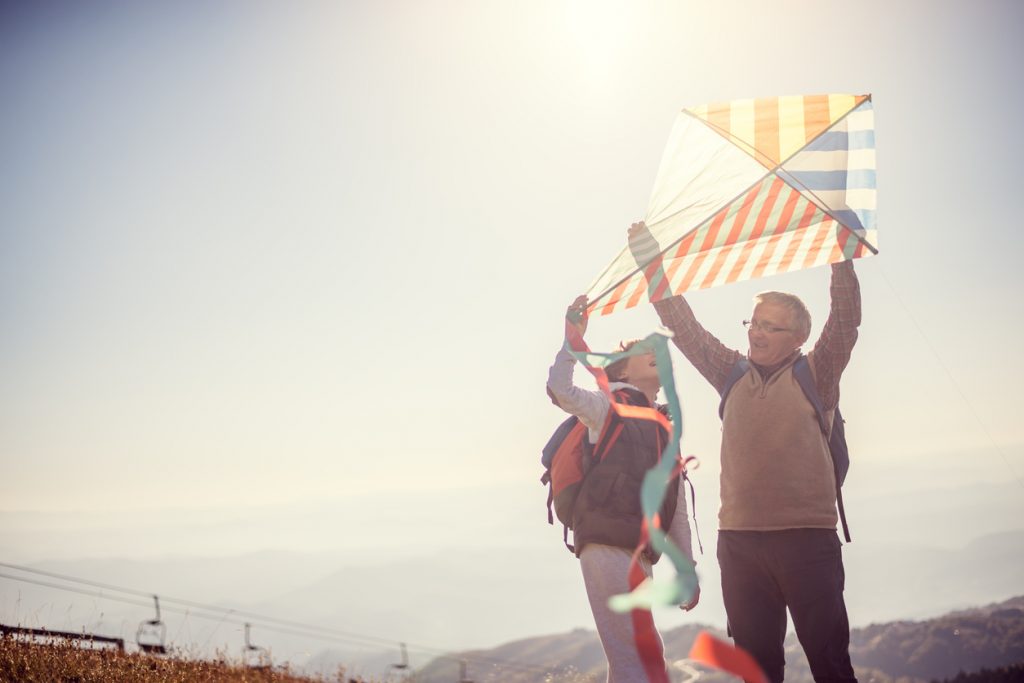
[801, 316]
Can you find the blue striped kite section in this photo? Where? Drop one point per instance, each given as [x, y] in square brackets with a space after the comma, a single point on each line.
[834, 140]
[859, 179]
[837, 169]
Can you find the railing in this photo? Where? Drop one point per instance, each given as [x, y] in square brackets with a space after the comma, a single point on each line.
[66, 635]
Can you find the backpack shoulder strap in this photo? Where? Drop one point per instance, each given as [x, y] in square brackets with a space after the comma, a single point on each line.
[804, 377]
[738, 370]
[836, 436]
[612, 427]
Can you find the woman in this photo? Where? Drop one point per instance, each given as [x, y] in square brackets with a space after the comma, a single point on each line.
[607, 517]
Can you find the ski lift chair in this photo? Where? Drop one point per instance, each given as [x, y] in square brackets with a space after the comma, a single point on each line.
[402, 666]
[253, 655]
[151, 635]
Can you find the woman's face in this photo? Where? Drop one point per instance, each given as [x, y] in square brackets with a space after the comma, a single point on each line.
[640, 368]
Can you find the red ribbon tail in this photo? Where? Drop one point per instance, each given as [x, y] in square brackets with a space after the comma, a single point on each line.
[718, 654]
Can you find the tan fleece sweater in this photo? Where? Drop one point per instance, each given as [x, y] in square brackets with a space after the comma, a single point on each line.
[776, 469]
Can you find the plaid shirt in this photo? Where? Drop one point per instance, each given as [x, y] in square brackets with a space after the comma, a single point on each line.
[828, 358]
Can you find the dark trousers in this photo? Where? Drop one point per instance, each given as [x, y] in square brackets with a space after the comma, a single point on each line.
[763, 573]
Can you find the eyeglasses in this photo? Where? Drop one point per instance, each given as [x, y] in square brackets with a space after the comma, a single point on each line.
[754, 325]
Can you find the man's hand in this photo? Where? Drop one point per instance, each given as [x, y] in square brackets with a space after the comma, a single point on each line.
[636, 228]
[642, 245]
[576, 314]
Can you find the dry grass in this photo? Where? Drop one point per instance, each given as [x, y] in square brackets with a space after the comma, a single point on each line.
[62, 662]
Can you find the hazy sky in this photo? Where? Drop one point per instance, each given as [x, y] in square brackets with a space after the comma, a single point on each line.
[259, 253]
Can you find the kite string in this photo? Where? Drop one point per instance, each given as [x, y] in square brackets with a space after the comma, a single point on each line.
[952, 379]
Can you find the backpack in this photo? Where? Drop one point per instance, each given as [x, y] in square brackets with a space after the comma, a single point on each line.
[567, 458]
[836, 438]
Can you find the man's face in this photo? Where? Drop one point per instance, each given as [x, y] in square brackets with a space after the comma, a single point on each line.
[771, 334]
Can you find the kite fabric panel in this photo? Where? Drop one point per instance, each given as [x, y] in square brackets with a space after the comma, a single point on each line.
[751, 188]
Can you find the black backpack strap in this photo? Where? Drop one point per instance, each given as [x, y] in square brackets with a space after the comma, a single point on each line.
[802, 372]
[835, 436]
[842, 513]
[610, 432]
[546, 479]
[693, 504]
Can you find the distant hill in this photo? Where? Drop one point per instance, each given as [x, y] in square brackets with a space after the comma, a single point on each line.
[962, 642]
[1004, 674]
[940, 648]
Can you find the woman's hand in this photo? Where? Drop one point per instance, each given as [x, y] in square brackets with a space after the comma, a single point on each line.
[576, 314]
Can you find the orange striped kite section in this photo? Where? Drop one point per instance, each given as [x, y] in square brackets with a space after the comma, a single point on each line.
[772, 229]
[772, 129]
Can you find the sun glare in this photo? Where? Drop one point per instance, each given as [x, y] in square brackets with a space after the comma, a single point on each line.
[599, 32]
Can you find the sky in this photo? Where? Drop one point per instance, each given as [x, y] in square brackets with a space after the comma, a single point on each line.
[262, 260]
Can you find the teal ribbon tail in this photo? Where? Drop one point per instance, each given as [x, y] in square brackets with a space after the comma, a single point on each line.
[657, 480]
[681, 588]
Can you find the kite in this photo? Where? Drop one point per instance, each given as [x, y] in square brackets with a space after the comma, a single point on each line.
[751, 188]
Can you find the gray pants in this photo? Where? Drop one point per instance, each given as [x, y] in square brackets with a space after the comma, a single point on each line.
[606, 573]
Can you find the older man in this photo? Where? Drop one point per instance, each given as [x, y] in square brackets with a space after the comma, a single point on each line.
[777, 544]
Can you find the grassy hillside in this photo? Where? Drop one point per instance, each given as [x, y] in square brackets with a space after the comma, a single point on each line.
[23, 662]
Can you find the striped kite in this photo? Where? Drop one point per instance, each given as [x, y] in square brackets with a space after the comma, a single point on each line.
[751, 188]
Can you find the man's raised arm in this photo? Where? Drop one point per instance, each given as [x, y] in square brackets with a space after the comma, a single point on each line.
[711, 357]
[832, 351]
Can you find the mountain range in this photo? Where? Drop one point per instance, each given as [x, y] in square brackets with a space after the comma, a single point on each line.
[903, 651]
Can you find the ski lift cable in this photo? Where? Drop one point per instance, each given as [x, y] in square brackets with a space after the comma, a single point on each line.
[80, 591]
[221, 616]
[221, 613]
[304, 630]
[310, 632]
[196, 605]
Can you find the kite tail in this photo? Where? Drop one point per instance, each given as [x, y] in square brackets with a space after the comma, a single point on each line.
[645, 633]
[718, 654]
